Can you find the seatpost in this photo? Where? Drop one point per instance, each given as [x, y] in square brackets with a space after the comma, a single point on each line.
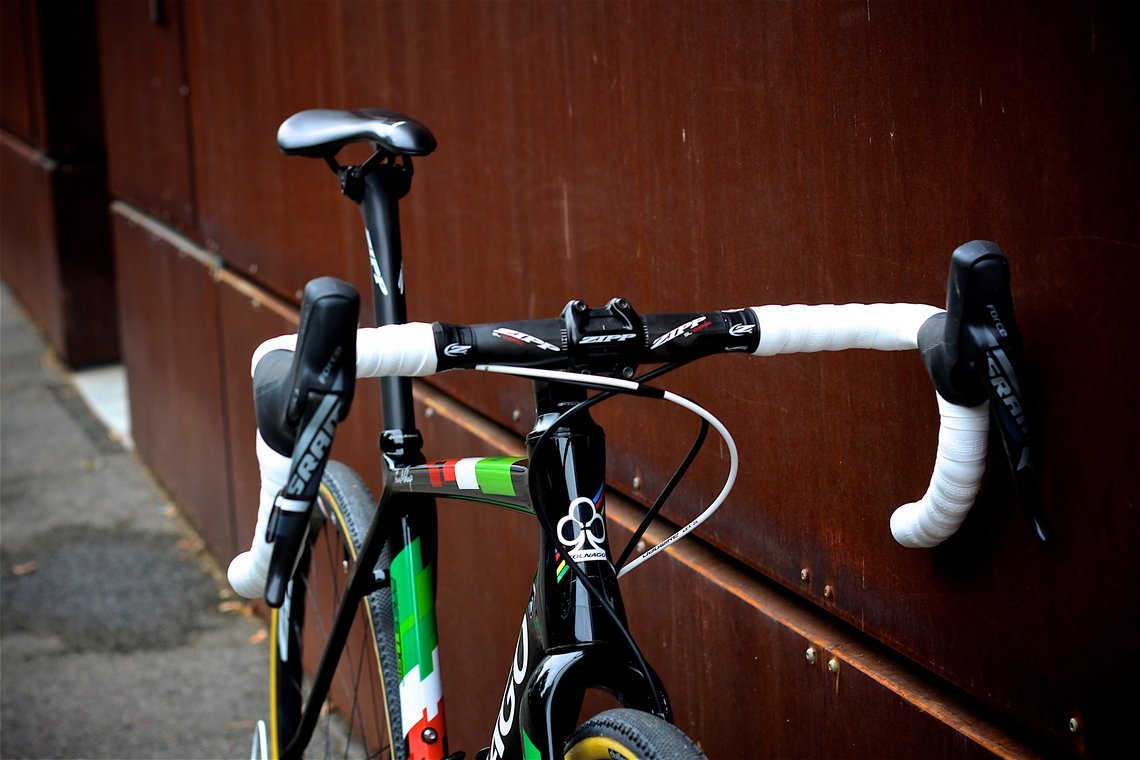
[382, 188]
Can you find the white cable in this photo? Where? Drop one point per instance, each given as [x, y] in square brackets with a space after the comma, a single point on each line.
[733, 465]
[733, 457]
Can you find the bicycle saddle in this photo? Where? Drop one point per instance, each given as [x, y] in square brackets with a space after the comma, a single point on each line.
[320, 133]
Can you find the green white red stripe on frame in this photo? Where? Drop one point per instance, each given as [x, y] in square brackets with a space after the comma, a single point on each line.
[489, 475]
[417, 650]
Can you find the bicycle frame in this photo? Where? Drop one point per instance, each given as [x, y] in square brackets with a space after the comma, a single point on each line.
[567, 644]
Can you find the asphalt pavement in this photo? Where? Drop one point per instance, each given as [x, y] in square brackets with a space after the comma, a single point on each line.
[118, 636]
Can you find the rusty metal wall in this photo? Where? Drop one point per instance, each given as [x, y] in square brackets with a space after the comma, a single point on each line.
[20, 75]
[717, 154]
[146, 97]
[55, 238]
[171, 338]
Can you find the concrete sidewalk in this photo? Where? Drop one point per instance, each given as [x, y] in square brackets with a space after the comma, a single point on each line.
[117, 636]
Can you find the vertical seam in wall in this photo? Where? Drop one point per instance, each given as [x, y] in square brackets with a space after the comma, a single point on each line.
[227, 444]
[184, 63]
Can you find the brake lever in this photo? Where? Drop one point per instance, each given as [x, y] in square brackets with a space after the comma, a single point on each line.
[320, 390]
[293, 508]
[973, 354]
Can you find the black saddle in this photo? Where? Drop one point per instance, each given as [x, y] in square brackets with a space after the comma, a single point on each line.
[321, 133]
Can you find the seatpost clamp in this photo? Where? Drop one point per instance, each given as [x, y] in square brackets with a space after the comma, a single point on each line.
[351, 183]
[400, 443]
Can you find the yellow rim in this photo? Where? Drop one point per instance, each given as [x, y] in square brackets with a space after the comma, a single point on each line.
[599, 748]
[275, 748]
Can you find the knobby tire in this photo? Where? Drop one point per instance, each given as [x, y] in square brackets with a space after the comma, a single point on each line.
[625, 734]
[361, 717]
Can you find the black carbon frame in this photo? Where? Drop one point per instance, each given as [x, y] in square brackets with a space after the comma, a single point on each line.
[567, 643]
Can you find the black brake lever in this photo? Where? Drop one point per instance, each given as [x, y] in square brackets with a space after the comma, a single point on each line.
[973, 353]
[318, 395]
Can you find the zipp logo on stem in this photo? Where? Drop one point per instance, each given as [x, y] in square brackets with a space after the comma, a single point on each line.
[615, 338]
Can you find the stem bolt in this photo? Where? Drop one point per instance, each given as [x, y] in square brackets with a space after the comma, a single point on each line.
[833, 665]
[810, 655]
[636, 483]
[1074, 725]
[805, 575]
[828, 593]
[429, 736]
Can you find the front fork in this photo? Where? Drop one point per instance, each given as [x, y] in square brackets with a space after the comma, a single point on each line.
[568, 643]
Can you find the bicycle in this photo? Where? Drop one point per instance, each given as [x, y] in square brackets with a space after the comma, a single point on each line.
[320, 536]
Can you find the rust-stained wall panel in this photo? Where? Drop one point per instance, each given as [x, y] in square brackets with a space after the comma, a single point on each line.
[56, 252]
[56, 236]
[251, 66]
[146, 100]
[27, 235]
[720, 155]
[20, 103]
[170, 350]
[50, 76]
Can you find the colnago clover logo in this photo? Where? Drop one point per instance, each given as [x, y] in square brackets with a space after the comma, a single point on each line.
[583, 531]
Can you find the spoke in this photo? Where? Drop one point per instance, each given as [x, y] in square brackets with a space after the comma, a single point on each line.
[356, 691]
[351, 668]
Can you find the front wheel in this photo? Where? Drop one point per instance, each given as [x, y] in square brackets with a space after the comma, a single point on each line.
[361, 717]
[625, 734]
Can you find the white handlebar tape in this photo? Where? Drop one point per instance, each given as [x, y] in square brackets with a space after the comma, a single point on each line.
[406, 350]
[249, 570]
[962, 436]
[958, 469]
[805, 329]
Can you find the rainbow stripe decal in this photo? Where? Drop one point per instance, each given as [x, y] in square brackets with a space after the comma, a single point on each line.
[489, 475]
[417, 650]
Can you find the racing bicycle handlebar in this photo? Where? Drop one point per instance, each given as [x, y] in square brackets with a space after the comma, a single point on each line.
[971, 351]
